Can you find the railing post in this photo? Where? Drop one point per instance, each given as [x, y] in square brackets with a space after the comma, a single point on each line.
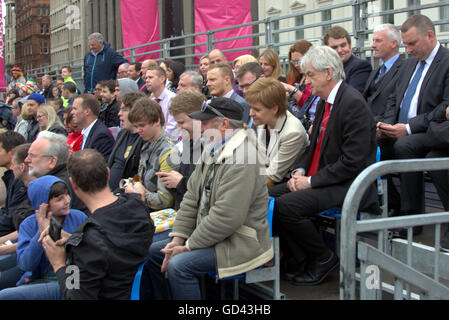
[166, 49]
[268, 33]
[359, 26]
[210, 41]
[133, 55]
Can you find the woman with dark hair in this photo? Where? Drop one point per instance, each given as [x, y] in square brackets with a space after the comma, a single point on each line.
[301, 102]
[174, 71]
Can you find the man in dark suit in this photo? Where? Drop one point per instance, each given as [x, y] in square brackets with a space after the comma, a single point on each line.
[220, 79]
[96, 135]
[135, 73]
[342, 144]
[382, 81]
[356, 70]
[422, 87]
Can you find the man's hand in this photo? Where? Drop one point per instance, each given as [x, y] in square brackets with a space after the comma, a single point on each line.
[298, 182]
[55, 253]
[396, 131]
[137, 187]
[170, 179]
[170, 251]
[447, 113]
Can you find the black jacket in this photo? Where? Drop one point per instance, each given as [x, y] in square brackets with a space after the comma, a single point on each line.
[357, 72]
[109, 114]
[108, 248]
[16, 193]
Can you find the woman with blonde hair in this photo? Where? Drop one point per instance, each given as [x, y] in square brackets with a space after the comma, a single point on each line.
[281, 137]
[269, 60]
[22, 124]
[49, 120]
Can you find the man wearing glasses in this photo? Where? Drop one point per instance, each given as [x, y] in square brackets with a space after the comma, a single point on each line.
[248, 74]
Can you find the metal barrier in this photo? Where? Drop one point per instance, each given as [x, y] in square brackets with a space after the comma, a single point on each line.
[268, 33]
[406, 261]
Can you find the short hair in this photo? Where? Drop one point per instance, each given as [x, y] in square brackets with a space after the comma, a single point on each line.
[57, 189]
[89, 102]
[269, 92]
[129, 98]
[187, 101]
[57, 146]
[253, 67]
[160, 72]
[336, 32]
[224, 69]
[110, 84]
[244, 59]
[69, 68]
[58, 101]
[421, 22]
[146, 109]
[69, 86]
[195, 78]
[323, 57]
[98, 37]
[137, 65]
[21, 152]
[46, 76]
[11, 139]
[392, 32]
[88, 170]
[273, 59]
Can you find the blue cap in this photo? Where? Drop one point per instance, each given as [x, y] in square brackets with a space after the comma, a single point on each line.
[36, 97]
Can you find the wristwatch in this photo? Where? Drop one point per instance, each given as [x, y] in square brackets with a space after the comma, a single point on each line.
[292, 93]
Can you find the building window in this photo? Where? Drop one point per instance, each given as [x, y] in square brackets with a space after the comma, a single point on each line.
[326, 15]
[45, 28]
[299, 22]
[444, 14]
[44, 47]
[412, 3]
[388, 5]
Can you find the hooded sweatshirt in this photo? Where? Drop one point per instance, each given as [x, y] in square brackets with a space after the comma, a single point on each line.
[31, 256]
[108, 248]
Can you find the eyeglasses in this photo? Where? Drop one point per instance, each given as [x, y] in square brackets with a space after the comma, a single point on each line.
[207, 106]
[295, 62]
[246, 86]
[40, 116]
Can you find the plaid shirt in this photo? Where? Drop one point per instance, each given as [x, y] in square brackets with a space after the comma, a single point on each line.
[8, 120]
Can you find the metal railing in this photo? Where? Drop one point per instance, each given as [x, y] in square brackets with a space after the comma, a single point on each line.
[271, 33]
[403, 271]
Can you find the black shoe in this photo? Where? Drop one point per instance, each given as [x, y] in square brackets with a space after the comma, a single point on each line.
[402, 232]
[289, 276]
[317, 272]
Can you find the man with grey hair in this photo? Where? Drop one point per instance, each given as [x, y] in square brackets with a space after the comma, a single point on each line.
[122, 71]
[100, 63]
[48, 155]
[190, 79]
[382, 81]
[342, 144]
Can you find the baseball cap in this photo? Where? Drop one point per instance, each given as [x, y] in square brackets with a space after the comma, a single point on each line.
[219, 107]
[37, 97]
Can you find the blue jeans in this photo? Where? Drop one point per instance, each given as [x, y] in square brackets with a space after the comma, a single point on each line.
[184, 272]
[38, 291]
[9, 271]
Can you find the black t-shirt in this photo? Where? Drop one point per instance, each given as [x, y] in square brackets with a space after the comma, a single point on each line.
[122, 153]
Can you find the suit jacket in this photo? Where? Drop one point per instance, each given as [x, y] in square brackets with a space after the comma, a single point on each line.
[357, 72]
[288, 141]
[244, 105]
[349, 144]
[100, 139]
[433, 95]
[376, 95]
[140, 82]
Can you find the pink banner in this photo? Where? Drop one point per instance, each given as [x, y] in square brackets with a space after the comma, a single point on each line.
[140, 24]
[210, 15]
[2, 52]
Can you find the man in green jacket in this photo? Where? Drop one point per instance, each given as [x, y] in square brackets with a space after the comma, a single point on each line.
[66, 74]
[221, 224]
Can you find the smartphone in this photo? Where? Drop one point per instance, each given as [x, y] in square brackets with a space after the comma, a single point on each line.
[55, 229]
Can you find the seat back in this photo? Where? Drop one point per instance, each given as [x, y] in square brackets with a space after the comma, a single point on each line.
[270, 214]
[135, 289]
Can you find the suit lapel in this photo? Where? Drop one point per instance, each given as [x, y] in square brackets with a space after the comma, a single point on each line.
[385, 81]
[88, 143]
[432, 68]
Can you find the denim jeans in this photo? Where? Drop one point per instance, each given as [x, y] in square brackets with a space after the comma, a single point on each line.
[9, 271]
[38, 291]
[184, 272]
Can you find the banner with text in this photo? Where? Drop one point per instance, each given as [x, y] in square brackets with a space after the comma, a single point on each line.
[140, 24]
[210, 15]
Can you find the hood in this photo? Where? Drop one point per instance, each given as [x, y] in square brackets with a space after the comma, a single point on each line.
[127, 85]
[39, 190]
[127, 224]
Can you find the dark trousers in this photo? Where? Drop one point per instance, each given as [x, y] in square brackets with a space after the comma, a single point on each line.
[292, 212]
[440, 178]
[412, 184]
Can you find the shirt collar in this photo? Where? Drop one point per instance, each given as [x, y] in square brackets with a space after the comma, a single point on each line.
[85, 132]
[331, 98]
[229, 94]
[389, 63]
[433, 54]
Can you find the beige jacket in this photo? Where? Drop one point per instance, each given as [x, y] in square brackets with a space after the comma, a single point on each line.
[236, 225]
[288, 141]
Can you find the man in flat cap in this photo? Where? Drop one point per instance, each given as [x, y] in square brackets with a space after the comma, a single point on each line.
[221, 224]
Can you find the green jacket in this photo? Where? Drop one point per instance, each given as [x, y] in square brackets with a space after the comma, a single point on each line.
[236, 224]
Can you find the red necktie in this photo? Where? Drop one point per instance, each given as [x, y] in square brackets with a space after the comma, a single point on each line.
[158, 100]
[316, 153]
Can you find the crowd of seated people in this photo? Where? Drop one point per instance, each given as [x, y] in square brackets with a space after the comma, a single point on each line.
[175, 166]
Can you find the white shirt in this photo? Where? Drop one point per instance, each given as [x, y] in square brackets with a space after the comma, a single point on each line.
[85, 132]
[170, 122]
[414, 103]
